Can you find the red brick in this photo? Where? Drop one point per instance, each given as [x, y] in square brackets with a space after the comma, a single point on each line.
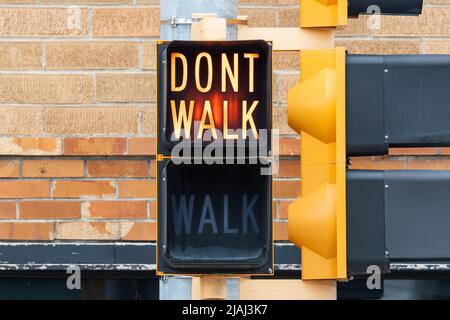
[153, 207]
[289, 168]
[94, 146]
[116, 209]
[444, 150]
[7, 210]
[137, 188]
[53, 168]
[413, 151]
[153, 168]
[24, 189]
[289, 146]
[118, 168]
[30, 146]
[429, 164]
[35, 231]
[83, 189]
[141, 146]
[286, 188]
[284, 207]
[138, 231]
[280, 231]
[377, 163]
[51, 209]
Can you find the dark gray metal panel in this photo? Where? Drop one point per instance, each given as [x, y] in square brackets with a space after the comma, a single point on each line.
[365, 221]
[56, 254]
[417, 99]
[139, 254]
[397, 7]
[418, 215]
[107, 256]
[364, 105]
[397, 101]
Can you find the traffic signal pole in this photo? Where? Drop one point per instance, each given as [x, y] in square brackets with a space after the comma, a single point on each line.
[212, 27]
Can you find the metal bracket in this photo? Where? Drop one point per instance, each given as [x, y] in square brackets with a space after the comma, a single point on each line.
[175, 21]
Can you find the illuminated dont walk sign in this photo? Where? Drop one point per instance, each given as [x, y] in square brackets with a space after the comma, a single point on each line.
[214, 152]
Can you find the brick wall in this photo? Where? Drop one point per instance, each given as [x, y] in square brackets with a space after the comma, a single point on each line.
[77, 111]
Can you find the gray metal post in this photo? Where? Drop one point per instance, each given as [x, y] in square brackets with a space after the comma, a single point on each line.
[179, 12]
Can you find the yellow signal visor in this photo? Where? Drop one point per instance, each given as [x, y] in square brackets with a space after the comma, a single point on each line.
[323, 13]
[316, 109]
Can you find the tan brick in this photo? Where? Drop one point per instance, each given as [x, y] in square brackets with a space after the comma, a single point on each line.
[116, 209]
[18, 1]
[49, 209]
[280, 231]
[138, 231]
[20, 55]
[49, 88]
[94, 146]
[91, 55]
[436, 47]
[117, 168]
[68, 120]
[147, 120]
[21, 120]
[86, 1]
[286, 188]
[52, 168]
[43, 21]
[9, 169]
[355, 26]
[157, 2]
[37, 231]
[289, 17]
[137, 188]
[136, 22]
[286, 60]
[7, 210]
[90, 120]
[141, 146]
[285, 82]
[30, 146]
[377, 163]
[149, 55]
[259, 17]
[10, 189]
[428, 164]
[126, 88]
[434, 21]
[83, 189]
[78, 230]
[379, 47]
[280, 121]
[289, 168]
